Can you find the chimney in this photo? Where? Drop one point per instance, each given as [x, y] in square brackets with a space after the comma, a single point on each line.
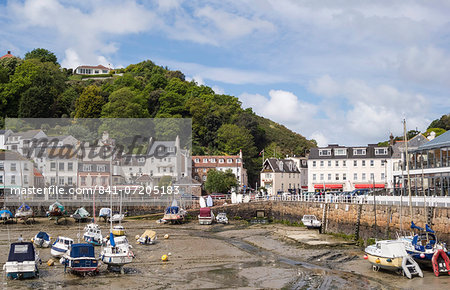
[9, 52]
[391, 140]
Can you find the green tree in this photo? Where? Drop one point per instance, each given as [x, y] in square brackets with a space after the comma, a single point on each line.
[36, 101]
[10, 64]
[125, 103]
[443, 123]
[65, 102]
[232, 138]
[438, 131]
[90, 103]
[42, 55]
[219, 181]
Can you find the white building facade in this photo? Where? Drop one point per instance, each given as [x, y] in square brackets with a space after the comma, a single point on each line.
[340, 168]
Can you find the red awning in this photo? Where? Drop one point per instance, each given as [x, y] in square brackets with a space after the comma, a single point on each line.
[330, 186]
[359, 186]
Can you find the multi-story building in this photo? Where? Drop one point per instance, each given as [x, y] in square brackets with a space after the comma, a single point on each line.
[429, 168]
[202, 164]
[16, 172]
[340, 168]
[21, 142]
[3, 136]
[302, 165]
[280, 175]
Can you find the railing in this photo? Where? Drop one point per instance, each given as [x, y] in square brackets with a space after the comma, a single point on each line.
[431, 201]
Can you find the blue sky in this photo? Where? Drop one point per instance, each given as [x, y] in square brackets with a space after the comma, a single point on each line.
[342, 72]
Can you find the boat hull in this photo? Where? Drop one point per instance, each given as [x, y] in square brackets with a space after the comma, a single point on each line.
[116, 260]
[391, 264]
[41, 243]
[57, 252]
[21, 270]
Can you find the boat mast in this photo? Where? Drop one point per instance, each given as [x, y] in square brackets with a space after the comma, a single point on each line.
[407, 169]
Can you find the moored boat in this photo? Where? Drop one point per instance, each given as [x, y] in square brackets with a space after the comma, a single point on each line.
[93, 234]
[105, 213]
[441, 263]
[81, 214]
[118, 230]
[5, 214]
[56, 211]
[147, 238]
[311, 222]
[206, 216]
[80, 259]
[22, 261]
[24, 212]
[116, 255]
[174, 214]
[222, 218]
[61, 246]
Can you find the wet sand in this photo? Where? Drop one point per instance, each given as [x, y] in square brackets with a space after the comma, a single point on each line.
[219, 256]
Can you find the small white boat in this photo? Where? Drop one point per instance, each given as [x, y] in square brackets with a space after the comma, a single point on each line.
[206, 216]
[24, 212]
[391, 255]
[22, 261]
[105, 213]
[42, 240]
[118, 217]
[117, 253]
[222, 218]
[60, 246]
[93, 234]
[311, 222]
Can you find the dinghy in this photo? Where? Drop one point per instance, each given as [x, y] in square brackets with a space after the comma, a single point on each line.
[222, 218]
[202, 201]
[440, 262]
[41, 240]
[22, 261]
[311, 222]
[56, 211]
[209, 201]
[147, 238]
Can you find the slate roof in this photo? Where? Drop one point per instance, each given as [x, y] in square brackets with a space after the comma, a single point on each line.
[370, 152]
[26, 135]
[281, 165]
[438, 142]
[11, 155]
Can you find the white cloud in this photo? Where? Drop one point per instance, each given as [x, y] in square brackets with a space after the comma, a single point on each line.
[321, 140]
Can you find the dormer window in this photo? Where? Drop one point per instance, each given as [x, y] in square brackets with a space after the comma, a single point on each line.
[340, 152]
[381, 151]
[359, 151]
[325, 152]
[280, 165]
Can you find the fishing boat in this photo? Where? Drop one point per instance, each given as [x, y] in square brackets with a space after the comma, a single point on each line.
[93, 234]
[147, 238]
[206, 216]
[222, 218]
[56, 211]
[5, 215]
[24, 212]
[80, 259]
[105, 213]
[423, 245]
[61, 246]
[440, 262]
[22, 261]
[391, 255]
[311, 222]
[81, 214]
[41, 240]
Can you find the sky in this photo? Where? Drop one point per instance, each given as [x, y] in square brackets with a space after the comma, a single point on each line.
[340, 72]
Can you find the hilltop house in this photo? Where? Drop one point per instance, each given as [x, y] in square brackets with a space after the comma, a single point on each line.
[92, 70]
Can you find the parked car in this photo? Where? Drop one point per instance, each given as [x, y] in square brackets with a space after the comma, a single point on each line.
[218, 196]
[188, 196]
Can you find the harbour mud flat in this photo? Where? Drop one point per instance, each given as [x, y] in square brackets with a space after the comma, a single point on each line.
[237, 255]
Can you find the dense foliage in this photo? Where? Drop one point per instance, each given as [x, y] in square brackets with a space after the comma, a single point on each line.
[219, 181]
[38, 87]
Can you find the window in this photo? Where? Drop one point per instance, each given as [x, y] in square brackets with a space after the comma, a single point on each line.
[314, 176]
[355, 163]
[314, 163]
[87, 167]
[204, 169]
[372, 176]
[69, 166]
[53, 166]
[204, 178]
[205, 160]
[94, 180]
[141, 159]
[329, 163]
[101, 168]
[321, 163]
[329, 176]
[382, 176]
[340, 152]
[69, 180]
[229, 160]
[325, 152]
[13, 166]
[25, 166]
[359, 151]
[372, 163]
[363, 162]
[2, 166]
[197, 160]
[221, 160]
[381, 151]
[104, 180]
[83, 180]
[321, 176]
[337, 176]
[213, 160]
[238, 160]
[61, 166]
[337, 163]
[363, 176]
[355, 176]
[1, 179]
[61, 181]
[344, 163]
[344, 176]
[52, 180]
[25, 179]
[382, 162]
